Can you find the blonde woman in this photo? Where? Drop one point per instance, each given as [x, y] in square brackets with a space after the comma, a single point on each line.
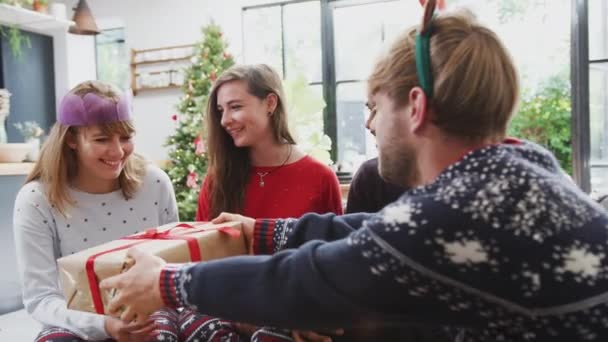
[88, 187]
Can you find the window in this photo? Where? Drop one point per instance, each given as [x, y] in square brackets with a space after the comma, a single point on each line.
[361, 31]
[288, 36]
[112, 57]
[335, 43]
[598, 95]
[285, 36]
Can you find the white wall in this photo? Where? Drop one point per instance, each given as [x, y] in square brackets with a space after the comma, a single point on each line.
[151, 24]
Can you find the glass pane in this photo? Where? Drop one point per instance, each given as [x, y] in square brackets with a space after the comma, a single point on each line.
[536, 33]
[598, 105]
[372, 26]
[598, 29]
[112, 58]
[302, 25]
[355, 143]
[262, 37]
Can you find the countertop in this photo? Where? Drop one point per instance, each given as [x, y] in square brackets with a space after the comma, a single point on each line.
[14, 169]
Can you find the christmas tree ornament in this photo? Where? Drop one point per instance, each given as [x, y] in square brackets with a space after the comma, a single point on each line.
[199, 145]
[192, 180]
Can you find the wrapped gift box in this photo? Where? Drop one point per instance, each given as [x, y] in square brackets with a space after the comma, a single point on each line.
[80, 273]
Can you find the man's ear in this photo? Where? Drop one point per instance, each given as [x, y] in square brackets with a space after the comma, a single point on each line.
[418, 108]
[272, 101]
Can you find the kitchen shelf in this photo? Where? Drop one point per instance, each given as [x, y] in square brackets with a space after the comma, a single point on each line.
[160, 64]
[33, 21]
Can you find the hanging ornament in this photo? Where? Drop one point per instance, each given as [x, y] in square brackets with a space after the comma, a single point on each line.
[212, 76]
[174, 117]
[199, 145]
[227, 55]
[191, 180]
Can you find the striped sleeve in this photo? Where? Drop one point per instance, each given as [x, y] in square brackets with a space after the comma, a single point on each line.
[263, 236]
[172, 284]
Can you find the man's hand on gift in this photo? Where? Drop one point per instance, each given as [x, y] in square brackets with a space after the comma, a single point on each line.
[247, 223]
[138, 288]
[128, 332]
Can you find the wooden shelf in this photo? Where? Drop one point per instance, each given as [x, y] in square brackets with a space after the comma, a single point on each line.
[173, 74]
[29, 20]
[166, 48]
[163, 60]
[175, 86]
[159, 72]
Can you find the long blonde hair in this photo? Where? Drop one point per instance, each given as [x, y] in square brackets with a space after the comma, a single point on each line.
[229, 165]
[57, 165]
[475, 82]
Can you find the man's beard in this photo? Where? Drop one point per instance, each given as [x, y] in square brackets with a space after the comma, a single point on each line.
[399, 166]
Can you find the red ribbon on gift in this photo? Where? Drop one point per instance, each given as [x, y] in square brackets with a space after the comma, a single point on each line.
[149, 234]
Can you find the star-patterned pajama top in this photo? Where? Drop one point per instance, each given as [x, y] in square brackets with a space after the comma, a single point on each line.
[43, 235]
[502, 246]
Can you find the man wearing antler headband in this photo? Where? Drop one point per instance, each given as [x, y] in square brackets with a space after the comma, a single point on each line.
[493, 242]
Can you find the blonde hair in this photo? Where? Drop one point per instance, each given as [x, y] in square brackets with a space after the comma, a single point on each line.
[229, 165]
[57, 164]
[475, 85]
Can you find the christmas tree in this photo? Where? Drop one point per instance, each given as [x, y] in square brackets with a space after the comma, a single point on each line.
[188, 160]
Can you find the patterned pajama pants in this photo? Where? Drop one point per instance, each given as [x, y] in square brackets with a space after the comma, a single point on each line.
[186, 326]
[166, 322]
[195, 327]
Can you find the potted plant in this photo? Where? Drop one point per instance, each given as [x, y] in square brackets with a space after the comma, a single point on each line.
[41, 6]
[5, 97]
[32, 133]
[16, 38]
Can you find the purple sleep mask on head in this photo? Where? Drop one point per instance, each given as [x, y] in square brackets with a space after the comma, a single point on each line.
[92, 109]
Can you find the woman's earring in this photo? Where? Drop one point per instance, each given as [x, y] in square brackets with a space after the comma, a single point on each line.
[269, 113]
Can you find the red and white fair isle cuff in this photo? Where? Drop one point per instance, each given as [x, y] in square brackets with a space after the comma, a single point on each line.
[263, 235]
[171, 284]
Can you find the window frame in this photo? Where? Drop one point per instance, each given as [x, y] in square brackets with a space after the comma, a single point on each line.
[328, 70]
[580, 65]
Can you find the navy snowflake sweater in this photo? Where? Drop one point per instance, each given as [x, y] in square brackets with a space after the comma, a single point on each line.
[502, 246]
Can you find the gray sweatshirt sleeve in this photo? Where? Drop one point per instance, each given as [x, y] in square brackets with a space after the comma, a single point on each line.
[37, 250]
[168, 211]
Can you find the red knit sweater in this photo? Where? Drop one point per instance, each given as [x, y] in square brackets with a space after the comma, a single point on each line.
[289, 191]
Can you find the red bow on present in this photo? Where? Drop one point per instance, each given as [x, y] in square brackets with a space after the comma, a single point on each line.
[150, 234]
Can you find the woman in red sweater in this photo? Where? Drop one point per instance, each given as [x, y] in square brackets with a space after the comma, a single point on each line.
[255, 167]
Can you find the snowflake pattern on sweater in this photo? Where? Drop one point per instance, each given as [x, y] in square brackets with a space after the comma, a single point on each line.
[502, 246]
[508, 238]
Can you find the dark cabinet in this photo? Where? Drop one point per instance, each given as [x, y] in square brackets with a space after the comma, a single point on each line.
[31, 80]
